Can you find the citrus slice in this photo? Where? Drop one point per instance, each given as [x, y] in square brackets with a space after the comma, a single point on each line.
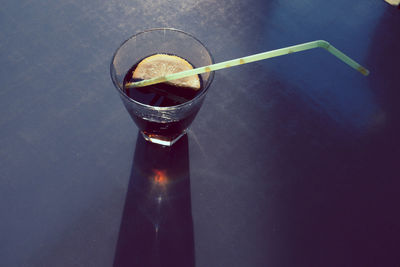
[161, 64]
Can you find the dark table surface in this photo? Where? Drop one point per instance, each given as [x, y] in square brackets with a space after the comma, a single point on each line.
[293, 161]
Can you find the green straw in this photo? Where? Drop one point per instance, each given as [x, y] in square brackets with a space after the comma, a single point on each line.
[256, 57]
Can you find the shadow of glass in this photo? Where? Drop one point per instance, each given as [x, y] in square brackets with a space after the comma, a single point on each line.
[157, 226]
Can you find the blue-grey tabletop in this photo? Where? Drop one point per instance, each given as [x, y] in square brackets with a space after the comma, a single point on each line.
[291, 161]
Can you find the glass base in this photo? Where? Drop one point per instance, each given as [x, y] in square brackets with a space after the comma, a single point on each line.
[161, 140]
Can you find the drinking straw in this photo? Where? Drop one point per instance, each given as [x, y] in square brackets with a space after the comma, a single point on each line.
[256, 57]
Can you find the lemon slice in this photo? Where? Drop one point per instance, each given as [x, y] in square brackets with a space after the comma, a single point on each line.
[162, 64]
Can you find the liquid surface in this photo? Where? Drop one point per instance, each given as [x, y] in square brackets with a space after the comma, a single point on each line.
[162, 94]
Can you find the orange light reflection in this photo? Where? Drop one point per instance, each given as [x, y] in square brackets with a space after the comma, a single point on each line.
[160, 177]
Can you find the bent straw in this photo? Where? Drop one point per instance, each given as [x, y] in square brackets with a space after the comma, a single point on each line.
[256, 57]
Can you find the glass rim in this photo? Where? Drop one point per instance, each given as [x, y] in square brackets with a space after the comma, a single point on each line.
[189, 102]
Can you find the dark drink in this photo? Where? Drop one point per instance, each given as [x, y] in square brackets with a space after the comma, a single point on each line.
[162, 95]
[162, 112]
